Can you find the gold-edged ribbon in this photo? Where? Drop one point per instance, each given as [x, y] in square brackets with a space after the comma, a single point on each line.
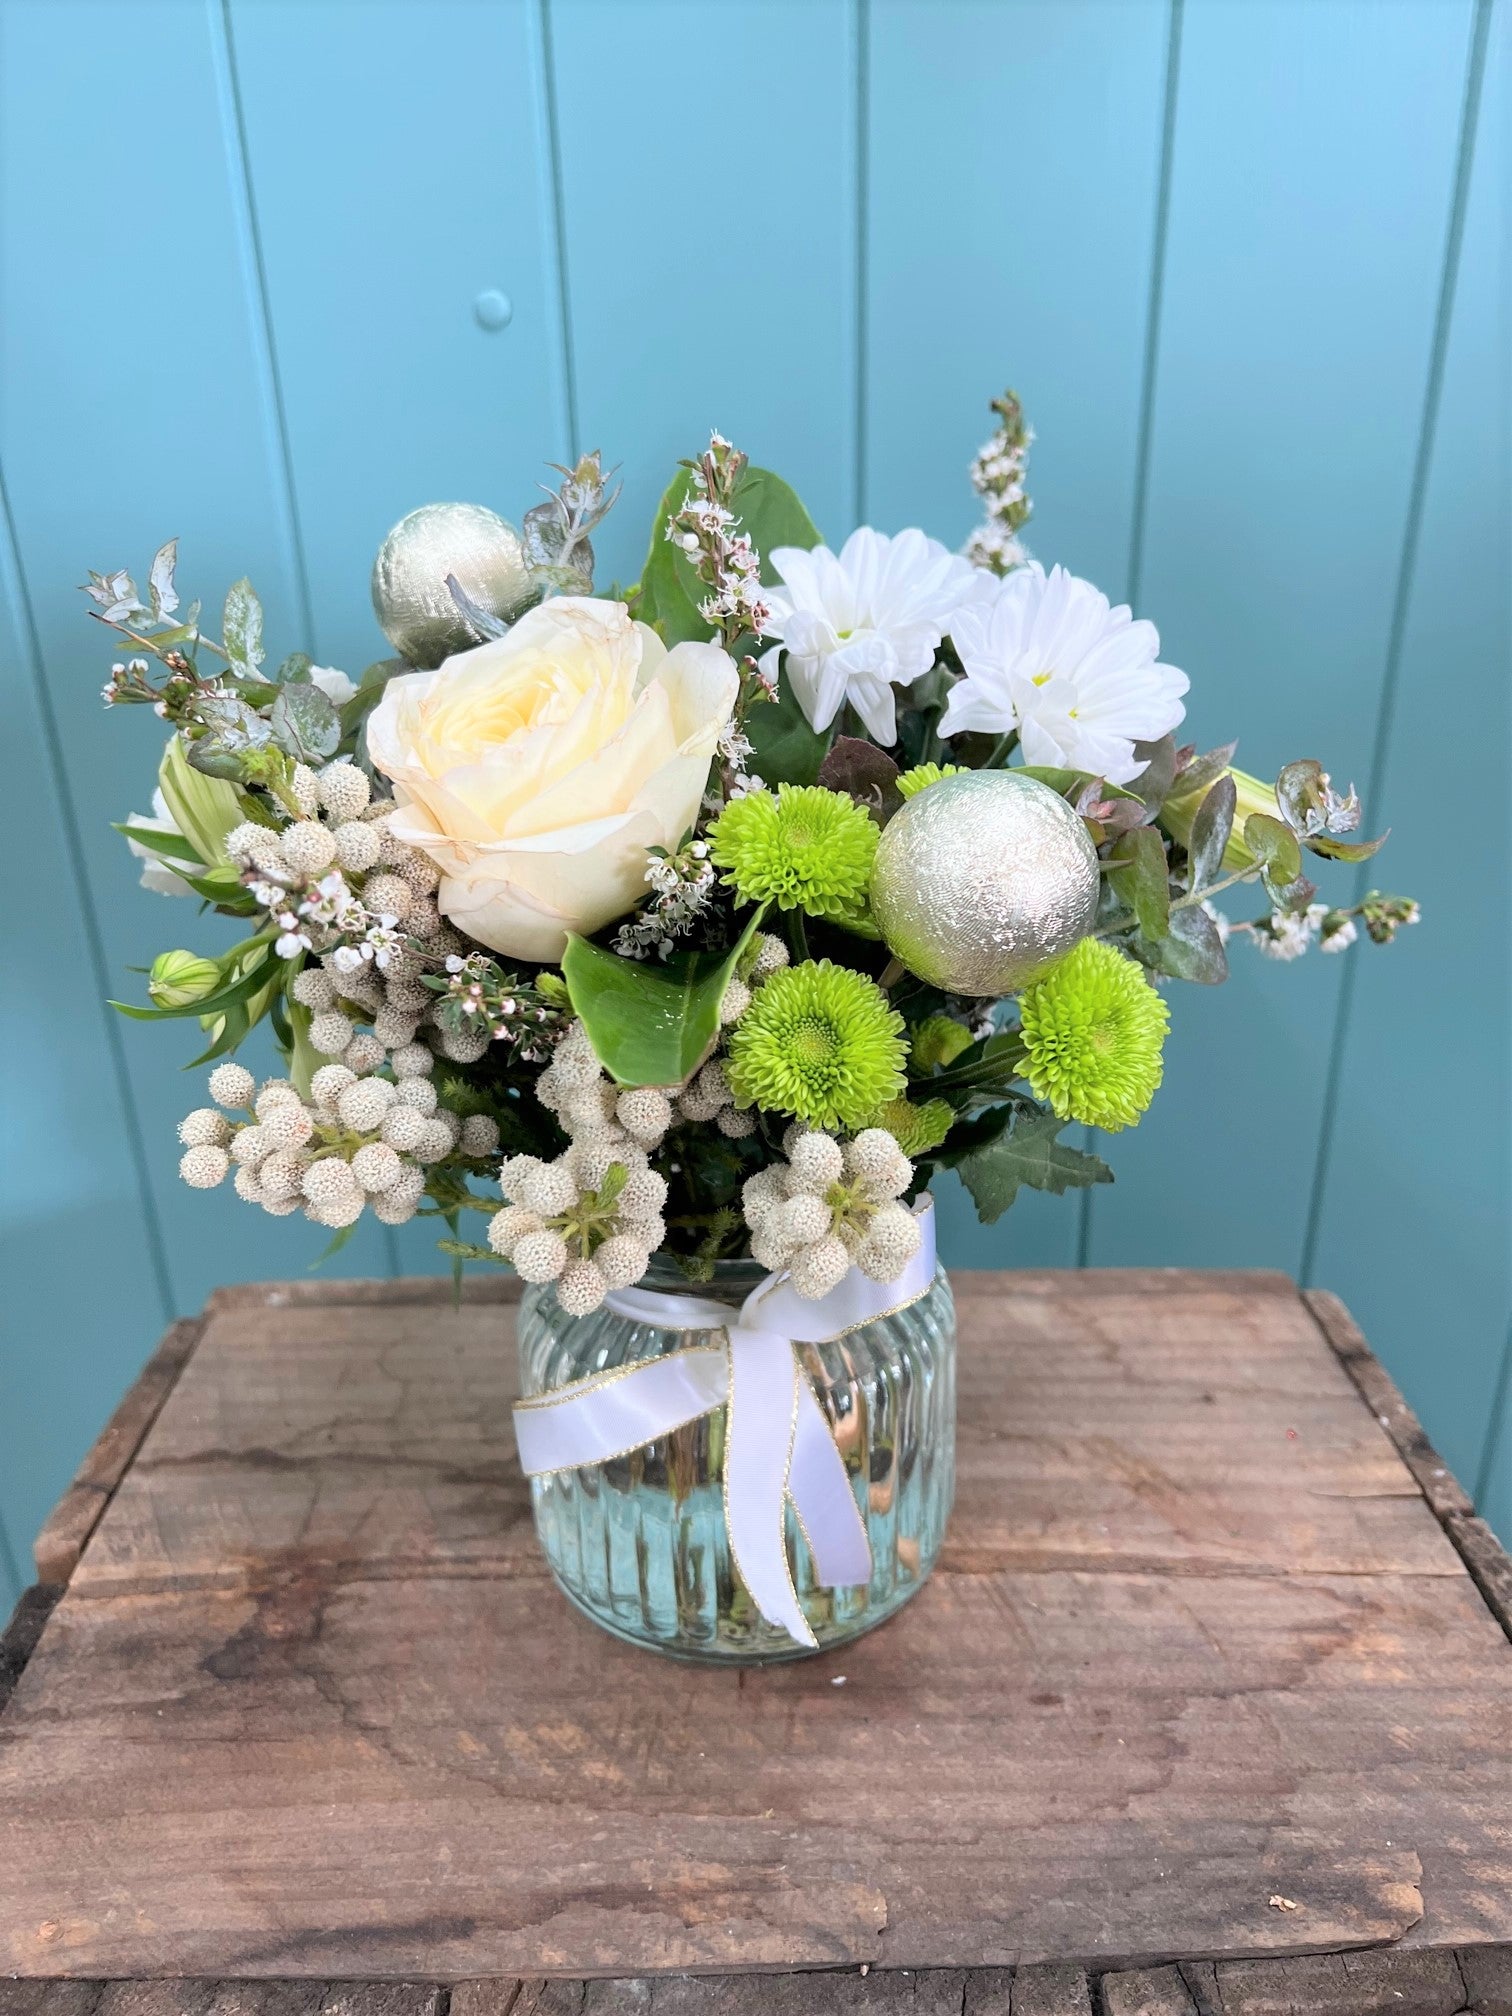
[778, 1446]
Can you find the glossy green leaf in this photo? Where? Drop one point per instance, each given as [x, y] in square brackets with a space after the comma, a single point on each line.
[785, 749]
[171, 846]
[670, 590]
[651, 1023]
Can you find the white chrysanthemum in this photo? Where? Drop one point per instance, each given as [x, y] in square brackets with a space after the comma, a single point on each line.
[364, 1103]
[356, 847]
[232, 1085]
[540, 1256]
[859, 623]
[1079, 680]
[204, 1128]
[330, 1032]
[403, 1128]
[314, 990]
[203, 1166]
[376, 1167]
[308, 847]
[344, 790]
[480, 1135]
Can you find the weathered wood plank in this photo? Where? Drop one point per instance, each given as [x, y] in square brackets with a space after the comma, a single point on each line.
[1487, 1974]
[1343, 1984]
[61, 1541]
[1146, 1991]
[19, 1638]
[310, 1709]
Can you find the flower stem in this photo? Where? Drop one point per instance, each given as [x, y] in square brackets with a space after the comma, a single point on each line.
[1003, 749]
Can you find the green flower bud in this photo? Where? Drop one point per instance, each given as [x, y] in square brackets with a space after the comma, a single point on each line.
[178, 979]
[1177, 815]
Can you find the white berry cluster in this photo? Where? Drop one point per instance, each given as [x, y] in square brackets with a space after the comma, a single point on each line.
[591, 1219]
[360, 1140]
[340, 883]
[829, 1208]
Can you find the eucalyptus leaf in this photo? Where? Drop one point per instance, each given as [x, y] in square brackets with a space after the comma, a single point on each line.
[1155, 780]
[1192, 949]
[1300, 792]
[485, 626]
[305, 723]
[1211, 827]
[160, 586]
[295, 670]
[1027, 1152]
[650, 1024]
[863, 772]
[242, 627]
[1203, 770]
[1346, 850]
[1139, 874]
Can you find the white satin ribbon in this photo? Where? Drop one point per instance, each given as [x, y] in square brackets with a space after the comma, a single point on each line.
[778, 1445]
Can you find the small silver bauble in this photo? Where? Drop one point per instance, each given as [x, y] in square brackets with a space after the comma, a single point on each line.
[412, 602]
[984, 880]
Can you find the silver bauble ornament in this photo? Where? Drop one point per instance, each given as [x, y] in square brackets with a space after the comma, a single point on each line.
[411, 600]
[982, 881]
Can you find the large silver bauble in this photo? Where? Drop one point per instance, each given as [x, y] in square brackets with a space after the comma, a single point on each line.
[411, 600]
[983, 881]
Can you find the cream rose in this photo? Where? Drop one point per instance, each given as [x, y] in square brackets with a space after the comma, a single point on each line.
[535, 771]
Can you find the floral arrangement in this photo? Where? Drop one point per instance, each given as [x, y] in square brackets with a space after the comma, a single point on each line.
[705, 920]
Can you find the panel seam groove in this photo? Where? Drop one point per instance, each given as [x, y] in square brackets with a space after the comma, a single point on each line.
[1402, 597]
[1145, 431]
[861, 251]
[552, 134]
[88, 911]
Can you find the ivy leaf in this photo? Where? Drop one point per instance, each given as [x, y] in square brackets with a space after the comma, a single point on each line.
[1027, 1152]
[1211, 827]
[160, 586]
[305, 723]
[242, 625]
[1192, 949]
[651, 1024]
[1140, 877]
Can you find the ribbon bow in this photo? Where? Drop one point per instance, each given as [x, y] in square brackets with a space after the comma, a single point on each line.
[778, 1445]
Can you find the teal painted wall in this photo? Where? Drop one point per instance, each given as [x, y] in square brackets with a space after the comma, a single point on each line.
[1246, 260]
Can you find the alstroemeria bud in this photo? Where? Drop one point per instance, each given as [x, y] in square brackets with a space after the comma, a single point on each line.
[1178, 813]
[178, 979]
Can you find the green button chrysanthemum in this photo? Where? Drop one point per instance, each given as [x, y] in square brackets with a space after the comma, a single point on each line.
[820, 1042]
[800, 848]
[1093, 1027]
[923, 774]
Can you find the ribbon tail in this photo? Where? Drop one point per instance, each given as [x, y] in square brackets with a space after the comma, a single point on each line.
[826, 1505]
[762, 1422]
[611, 1413]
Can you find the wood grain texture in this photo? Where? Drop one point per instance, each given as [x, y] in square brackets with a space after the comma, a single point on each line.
[310, 1707]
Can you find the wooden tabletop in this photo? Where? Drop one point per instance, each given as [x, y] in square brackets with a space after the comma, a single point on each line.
[1214, 1670]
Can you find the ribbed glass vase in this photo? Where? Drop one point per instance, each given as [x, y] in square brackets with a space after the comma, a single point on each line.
[639, 1543]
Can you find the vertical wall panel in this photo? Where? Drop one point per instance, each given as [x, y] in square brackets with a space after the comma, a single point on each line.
[134, 407]
[1314, 159]
[1412, 1228]
[709, 285]
[1010, 242]
[429, 185]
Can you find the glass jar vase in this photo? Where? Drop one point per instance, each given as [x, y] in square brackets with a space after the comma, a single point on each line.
[639, 1543]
